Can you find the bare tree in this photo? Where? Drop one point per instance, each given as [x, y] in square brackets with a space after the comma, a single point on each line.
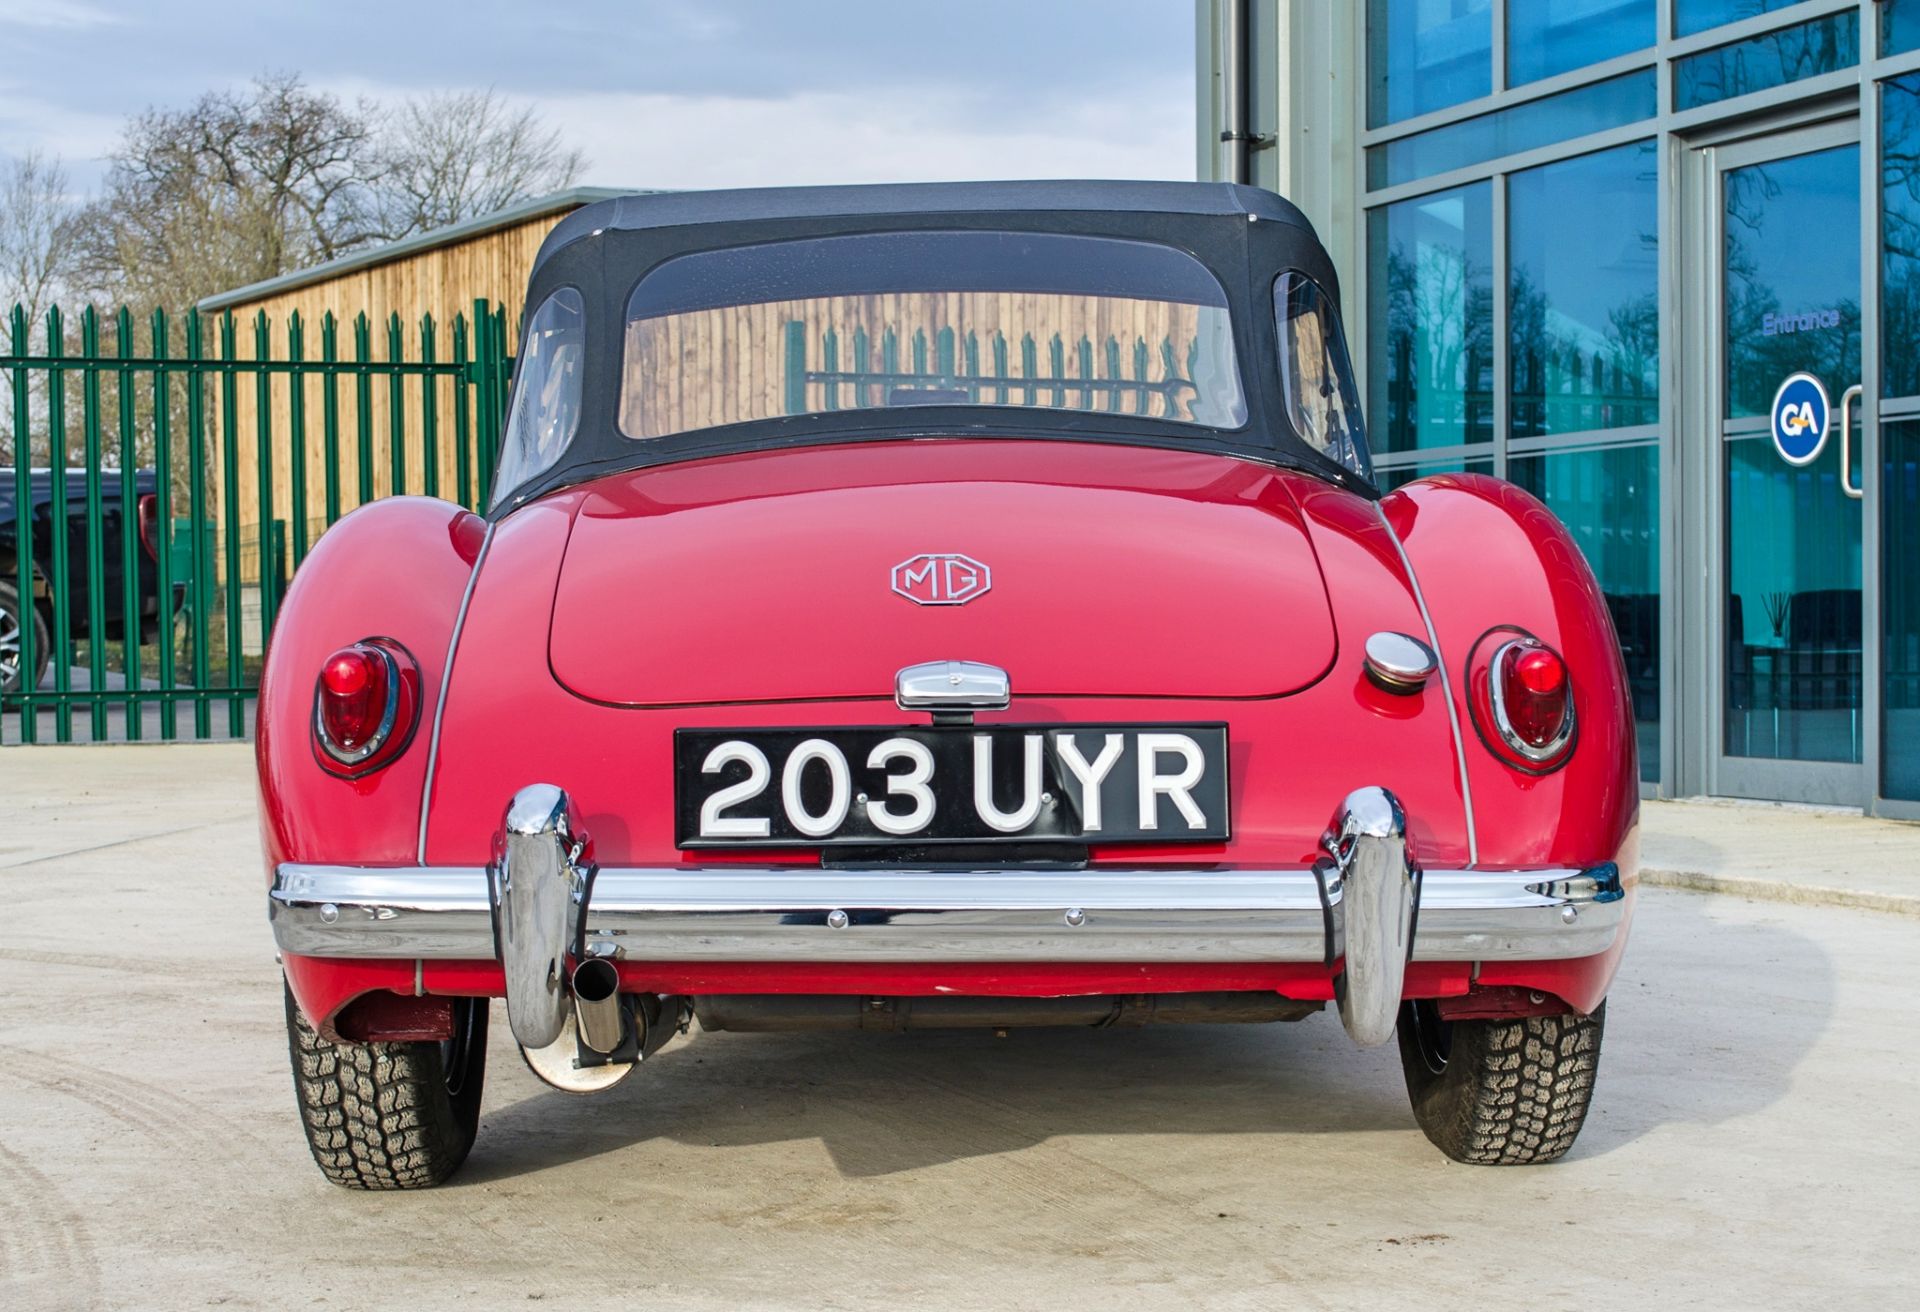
[36, 257]
[36, 233]
[244, 186]
[238, 187]
[453, 156]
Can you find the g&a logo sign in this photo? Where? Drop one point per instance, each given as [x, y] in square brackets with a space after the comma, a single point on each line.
[1800, 419]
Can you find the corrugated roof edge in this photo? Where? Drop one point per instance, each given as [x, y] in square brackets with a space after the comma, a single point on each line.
[572, 199]
[757, 204]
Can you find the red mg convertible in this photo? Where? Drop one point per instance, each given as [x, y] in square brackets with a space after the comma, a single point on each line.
[926, 606]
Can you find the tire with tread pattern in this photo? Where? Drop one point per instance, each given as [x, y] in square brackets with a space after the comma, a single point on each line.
[1500, 1092]
[12, 615]
[390, 1115]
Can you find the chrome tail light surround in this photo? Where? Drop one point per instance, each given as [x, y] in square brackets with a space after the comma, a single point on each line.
[1492, 716]
[399, 714]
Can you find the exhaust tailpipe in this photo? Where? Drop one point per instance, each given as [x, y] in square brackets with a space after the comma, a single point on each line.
[597, 1010]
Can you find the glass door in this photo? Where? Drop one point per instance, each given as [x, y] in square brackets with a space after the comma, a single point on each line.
[1788, 713]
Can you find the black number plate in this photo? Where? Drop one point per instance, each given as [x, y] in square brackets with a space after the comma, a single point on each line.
[1096, 783]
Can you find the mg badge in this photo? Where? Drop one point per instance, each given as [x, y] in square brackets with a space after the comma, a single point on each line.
[941, 579]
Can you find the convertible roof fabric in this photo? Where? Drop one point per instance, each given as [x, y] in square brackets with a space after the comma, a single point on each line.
[672, 209]
[1246, 238]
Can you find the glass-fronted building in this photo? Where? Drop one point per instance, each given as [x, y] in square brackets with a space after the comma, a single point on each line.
[1583, 243]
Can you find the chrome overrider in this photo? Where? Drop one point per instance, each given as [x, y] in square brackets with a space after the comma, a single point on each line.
[1367, 850]
[1366, 903]
[538, 888]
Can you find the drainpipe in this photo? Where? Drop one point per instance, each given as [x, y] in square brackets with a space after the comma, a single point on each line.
[1233, 84]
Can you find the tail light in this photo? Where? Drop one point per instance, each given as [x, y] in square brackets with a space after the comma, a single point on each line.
[1523, 694]
[366, 702]
[148, 509]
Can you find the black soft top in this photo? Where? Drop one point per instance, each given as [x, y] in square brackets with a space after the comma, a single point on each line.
[1245, 236]
[775, 207]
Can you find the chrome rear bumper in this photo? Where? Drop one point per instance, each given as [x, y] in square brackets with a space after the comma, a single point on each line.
[1366, 903]
[730, 913]
[799, 914]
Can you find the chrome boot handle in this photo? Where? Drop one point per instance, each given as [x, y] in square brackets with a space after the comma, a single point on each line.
[1846, 443]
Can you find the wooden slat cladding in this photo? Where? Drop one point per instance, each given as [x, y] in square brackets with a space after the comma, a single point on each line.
[441, 281]
[737, 363]
[441, 284]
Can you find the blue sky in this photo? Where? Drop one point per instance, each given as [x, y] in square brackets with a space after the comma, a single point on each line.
[660, 93]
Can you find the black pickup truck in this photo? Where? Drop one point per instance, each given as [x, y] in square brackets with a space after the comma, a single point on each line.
[38, 609]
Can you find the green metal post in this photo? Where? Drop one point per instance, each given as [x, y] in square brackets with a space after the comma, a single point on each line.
[862, 352]
[429, 413]
[23, 528]
[58, 461]
[363, 404]
[330, 411]
[396, 408]
[129, 524]
[230, 525]
[796, 375]
[297, 435]
[263, 471]
[499, 379]
[199, 590]
[830, 363]
[943, 355]
[163, 529]
[488, 331]
[462, 420]
[96, 545]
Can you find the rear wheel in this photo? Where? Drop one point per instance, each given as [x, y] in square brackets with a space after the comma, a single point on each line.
[14, 619]
[1500, 1092]
[390, 1115]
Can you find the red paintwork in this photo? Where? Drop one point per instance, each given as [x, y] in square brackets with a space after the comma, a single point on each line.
[1119, 563]
[685, 581]
[1586, 811]
[394, 568]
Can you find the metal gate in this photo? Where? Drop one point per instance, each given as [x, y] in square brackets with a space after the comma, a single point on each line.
[168, 475]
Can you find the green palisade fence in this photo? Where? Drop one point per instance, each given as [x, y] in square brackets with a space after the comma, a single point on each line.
[1122, 382]
[204, 459]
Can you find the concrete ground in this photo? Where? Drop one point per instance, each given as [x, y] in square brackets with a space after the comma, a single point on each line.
[1752, 1143]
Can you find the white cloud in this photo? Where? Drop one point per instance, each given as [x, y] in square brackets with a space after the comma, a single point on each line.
[647, 140]
[62, 15]
[78, 136]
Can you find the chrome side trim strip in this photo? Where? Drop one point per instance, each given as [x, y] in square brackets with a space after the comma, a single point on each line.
[446, 678]
[732, 913]
[1446, 688]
